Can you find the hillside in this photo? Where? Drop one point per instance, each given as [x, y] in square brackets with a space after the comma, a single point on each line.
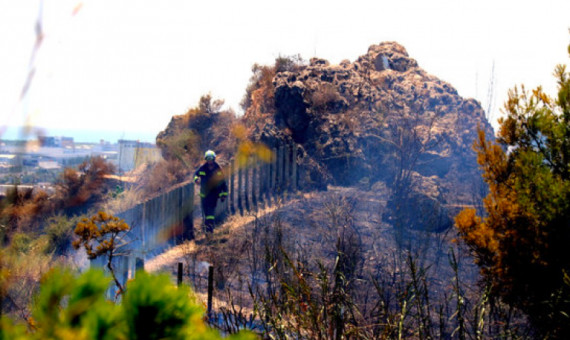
[310, 225]
[380, 123]
[299, 244]
[385, 161]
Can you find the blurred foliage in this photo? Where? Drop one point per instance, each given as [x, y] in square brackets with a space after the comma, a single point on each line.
[20, 209]
[247, 149]
[59, 230]
[521, 245]
[74, 307]
[22, 262]
[31, 177]
[26, 209]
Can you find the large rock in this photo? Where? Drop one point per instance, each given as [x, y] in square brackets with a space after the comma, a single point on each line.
[379, 118]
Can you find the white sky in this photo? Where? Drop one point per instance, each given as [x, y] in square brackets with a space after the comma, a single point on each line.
[129, 66]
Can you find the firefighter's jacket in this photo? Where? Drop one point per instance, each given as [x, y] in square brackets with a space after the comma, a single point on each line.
[212, 181]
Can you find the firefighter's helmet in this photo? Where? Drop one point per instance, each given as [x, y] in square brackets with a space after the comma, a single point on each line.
[210, 155]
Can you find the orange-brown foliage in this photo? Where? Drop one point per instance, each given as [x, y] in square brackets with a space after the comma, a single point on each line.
[260, 98]
[86, 185]
[521, 244]
[23, 208]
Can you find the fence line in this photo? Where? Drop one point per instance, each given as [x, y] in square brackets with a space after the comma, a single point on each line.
[160, 221]
[255, 182]
[155, 224]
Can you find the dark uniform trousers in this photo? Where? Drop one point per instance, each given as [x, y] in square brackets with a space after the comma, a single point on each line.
[209, 209]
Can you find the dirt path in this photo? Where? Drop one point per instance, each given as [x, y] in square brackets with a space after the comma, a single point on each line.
[172, 256]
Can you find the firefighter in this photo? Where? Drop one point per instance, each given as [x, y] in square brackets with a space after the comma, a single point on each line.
[212, 186]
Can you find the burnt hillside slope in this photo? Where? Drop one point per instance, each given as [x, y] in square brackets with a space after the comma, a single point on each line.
[311, 236]
[378, 122]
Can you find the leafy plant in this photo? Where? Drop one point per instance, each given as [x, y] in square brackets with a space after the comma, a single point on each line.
[101, 235]
[521, 245]
[74, 307]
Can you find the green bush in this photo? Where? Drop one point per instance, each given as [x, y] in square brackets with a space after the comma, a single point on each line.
[75, 307]
[21, 242]
[59, 231]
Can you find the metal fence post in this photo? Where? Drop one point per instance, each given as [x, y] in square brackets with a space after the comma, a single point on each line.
[139, 264]
[279, 172]
[287, 175]
[254, 182]
[247, 192]
[294, 170]
[179, 276]
[239, 188]
[232, 188]
[261, 167]
[210, 288]
[274, 173]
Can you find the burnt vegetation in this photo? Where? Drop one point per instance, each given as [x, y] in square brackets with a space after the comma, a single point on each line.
[389, 236]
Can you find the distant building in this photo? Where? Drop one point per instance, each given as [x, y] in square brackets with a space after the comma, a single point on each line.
[56, 142]
[31, 155]
[106, 146]
[31, 161]
[8, 161]
[49, 165]
[67, 142]
[132, 154]
[48, 141]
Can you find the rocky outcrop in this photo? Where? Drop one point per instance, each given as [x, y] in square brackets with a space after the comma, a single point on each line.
[380, 118]
[378, 122]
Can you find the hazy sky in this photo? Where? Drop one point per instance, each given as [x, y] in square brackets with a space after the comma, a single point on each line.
[129, 66]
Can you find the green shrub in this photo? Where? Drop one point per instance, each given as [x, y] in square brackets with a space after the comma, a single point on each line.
[21, 242]
[74, 307]
[59, 231]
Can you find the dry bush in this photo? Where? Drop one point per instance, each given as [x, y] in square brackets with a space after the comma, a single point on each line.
[125, 200]
[201, 128]
[161, 176]
[259, 98]
[326, 97]
[180, 146]
[209, 122]
[22, 209]
[220, 137]
[259, 95]
[291, 63]
[77, 190]
[318, 280]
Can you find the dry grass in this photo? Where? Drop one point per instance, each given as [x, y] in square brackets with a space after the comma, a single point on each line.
[233, 227]
[124, 201]
[245, 253]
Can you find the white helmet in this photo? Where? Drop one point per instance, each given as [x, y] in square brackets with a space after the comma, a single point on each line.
[210, 155]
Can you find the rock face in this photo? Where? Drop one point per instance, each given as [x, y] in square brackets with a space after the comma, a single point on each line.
[380, 118]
